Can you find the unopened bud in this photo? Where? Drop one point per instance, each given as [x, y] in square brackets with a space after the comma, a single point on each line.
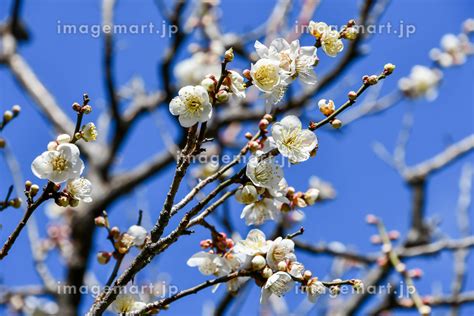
[415, 273]
[394, 234]
[115, 232]
[352, 95]
[16, 109]
[52, 146]
[28, 185]
[63, 138]
[282, 266]
[425, 310]
[248, 135]
[2, 143]
[103, 257]
[229, 55]
[34, 190]
[371, 219]
[16, 203]
[336, 123]
[350, 33]
[208, 84]
[100, 221]
[253, 145]
[263, 124]
[268, 117]
[307, 275]
[62, 201]
[76, 106]
[204, 244]
[267, 272]
[222, 96]
[86, 109]
[258, 262]
[246, 74]
[388, 68]
[73, 202]
[372, 80]
[7, 116]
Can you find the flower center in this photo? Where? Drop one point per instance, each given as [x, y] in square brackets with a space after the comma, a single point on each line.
[59, 164]
[291, 139]
[262, 172]
[193, 104]
[266, 75]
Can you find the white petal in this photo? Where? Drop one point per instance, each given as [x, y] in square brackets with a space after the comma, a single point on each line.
[206, 113]
[309, 140]
[262, 50]
[41, 166]
[176, 106]
[187, 120]
[291, 122]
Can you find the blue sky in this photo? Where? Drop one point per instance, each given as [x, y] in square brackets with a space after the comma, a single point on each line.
[71, 64]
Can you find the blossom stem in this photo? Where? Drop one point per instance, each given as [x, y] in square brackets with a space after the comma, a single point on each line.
[164, 302]
[346, 105]
[400, 268]
[46, 195]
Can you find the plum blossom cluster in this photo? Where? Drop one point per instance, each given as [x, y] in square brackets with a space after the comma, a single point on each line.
[267, 194]
[329, 39]
[454, 48]
[263, 188]
[271, 263]
[453, 51]
[278, 65]
[62, 162]
[422, 82]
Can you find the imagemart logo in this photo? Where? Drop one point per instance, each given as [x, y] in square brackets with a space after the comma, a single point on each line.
[96, 30]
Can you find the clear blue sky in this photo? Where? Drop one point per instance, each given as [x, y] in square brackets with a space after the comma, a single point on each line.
[71, 64]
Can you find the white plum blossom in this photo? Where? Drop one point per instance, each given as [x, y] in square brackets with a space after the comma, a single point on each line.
[192, 105]
[209, 263]
[422, 81]
[280, 250]
[255, 244]
[329, 38]
[305, 63]
[237, 85]
[295, 61]
[311, 196]
[292, 141]
[278, 284]
[247, 194]
[259, 212]
[315, 289]
[89, 132]
[61, 139]
[58, 165]
[325, 189]
[266, 75]
[138, 233]
[80, 189]
[126, 303]
[454, 50]
[264, 173]
[191, 71]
